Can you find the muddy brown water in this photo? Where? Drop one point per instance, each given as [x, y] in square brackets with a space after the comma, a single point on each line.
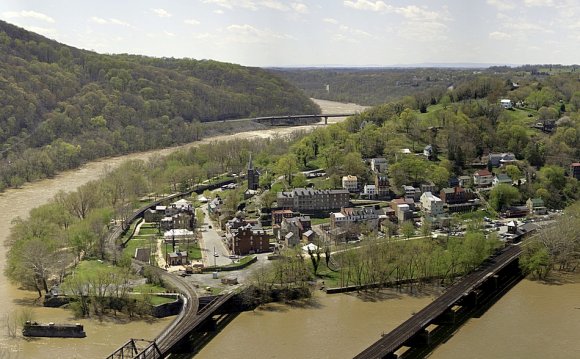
[102, 337]
[533, 320]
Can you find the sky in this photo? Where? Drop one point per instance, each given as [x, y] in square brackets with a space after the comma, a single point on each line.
[313, 33]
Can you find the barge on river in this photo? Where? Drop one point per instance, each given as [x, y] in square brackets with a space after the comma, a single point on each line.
[33, 329]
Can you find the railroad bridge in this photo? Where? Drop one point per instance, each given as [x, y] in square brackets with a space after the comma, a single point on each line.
[179, 331]
[293, 120]
[430, 326]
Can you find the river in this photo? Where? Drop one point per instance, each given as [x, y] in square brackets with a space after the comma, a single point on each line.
[102, 337]
[533, 320]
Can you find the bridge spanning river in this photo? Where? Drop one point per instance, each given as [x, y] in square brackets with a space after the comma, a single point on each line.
[489, 280]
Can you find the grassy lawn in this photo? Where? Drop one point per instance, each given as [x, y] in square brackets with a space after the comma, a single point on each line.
[321, 183]
[143, 230]
[138, 242]
[315, 221]
[193, 252]
[157, 300]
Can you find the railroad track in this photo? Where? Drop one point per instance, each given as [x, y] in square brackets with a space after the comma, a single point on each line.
[392, 341]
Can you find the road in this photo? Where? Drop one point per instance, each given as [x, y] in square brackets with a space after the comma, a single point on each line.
[212, 243]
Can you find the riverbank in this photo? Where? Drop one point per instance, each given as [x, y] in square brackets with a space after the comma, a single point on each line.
[104, 337]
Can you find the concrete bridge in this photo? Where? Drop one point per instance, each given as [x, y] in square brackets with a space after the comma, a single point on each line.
[292, 120]
[423, 331]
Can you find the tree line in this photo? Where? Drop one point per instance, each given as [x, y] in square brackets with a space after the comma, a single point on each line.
[61, 106]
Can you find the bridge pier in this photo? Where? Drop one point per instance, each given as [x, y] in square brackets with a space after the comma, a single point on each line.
[448, 317]
[326, 120]
[421, 339]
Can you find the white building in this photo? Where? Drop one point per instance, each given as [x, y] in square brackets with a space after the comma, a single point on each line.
[180, 235]
[350, 183]
[431, 204]
[506, 103]
[370, 190]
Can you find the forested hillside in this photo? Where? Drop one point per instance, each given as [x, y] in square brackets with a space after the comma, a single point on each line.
[60, 106]
[371, 86]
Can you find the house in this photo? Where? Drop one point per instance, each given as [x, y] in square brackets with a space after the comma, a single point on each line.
[298, 225]
[506, 103]
[412, 192]
[463, 181]
[501, 178]
[516, 211]
[214, 206]
[536, 206]
[309, 236]
[575, 170]
[248, 239]
[350, 183]
[382, 186]
[302, 199]
[280, 214]
[482, 178]
[379, 165]
[455, 195]
[499, 159]
[370, 191]
[431, 204]
[178, 235]
[176, 258]
[428, 151]
[353, 215]
[253, 176]
[428, 187]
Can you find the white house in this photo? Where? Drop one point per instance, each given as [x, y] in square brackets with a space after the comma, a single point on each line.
[506, 103]
[431, 204]
[482, 178]
[350, 183]
[370, 190]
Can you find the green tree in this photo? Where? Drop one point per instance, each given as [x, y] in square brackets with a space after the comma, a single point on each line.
[503, 195]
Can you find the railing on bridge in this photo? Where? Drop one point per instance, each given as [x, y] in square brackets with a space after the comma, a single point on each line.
[388, 344]
[134, 350]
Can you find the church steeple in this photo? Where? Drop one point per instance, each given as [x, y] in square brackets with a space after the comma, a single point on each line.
[250, 164]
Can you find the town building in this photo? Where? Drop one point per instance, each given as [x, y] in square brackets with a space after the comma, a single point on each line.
[431, 204]
[253, 176]
[499, 159]
[506, 103]
[379, 165]
[482, 178]
[176, 258]
[295, 225]
[370, 191]
[455, 195]
[575, 170]
[536, 206]
[501, 178]
[248, 239]
[368, 216]
[303, 199]
[350, 183]
[382, 186]
[279, 214]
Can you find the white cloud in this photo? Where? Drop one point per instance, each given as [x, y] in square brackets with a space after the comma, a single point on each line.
[191, 22]
[231, 4]
[161, 12]
[424, 31]
[330, 20]
[218, 11]
[98, 20]
[273, 4]
[300, 8]
[531, 3]
[368, 5]
[27, 14]
[501, 4]
[119, 22]
[498, 35]
[416, 13]
[168, 33]
[249, 34]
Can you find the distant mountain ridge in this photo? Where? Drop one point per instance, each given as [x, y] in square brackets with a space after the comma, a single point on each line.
[66, 105]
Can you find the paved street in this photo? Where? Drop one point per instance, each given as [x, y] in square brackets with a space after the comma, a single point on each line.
[211, 240]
